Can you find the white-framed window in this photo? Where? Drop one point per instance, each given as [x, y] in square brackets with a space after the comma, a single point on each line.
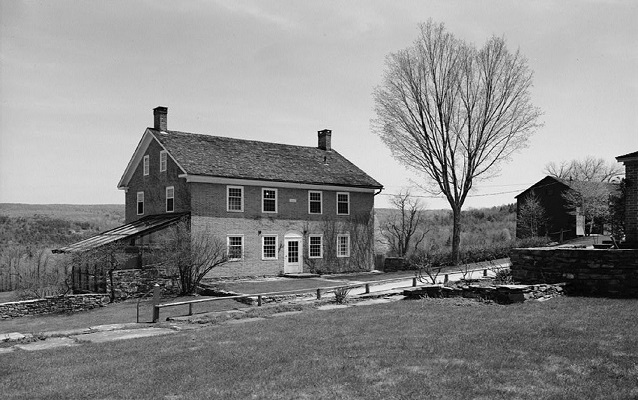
[269, 247]
[315, 205]
[315, 246]
[343, 245]
[343, 203]
[140, 203]
[163, 162]
[235, 198]
[235, 247]
[146, 165]
[170, 199]
[268, 200]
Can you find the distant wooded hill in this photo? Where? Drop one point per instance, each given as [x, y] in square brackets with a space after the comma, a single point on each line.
[55, 224]
[481, 227]
[60, 224]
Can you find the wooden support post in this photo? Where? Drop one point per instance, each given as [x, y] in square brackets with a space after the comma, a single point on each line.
[446, 278]
[484, 272]
[318, 294]
[367, 288]
[413, 282]
[190, 309]
[259, 300]
[156, 301]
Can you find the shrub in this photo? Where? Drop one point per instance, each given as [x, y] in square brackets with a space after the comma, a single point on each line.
[341, 294]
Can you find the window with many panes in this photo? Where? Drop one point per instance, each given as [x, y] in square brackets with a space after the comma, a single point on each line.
[269, 200]
[140, 203]
[315, 246]
[170, 199]
[235, 247]
[343, 245]
[343, 203]
[235, 198]
[314, 202]
[146, 165]
[269, 247]
[163, 160]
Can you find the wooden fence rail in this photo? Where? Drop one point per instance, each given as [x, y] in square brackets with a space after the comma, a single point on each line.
[319, 291]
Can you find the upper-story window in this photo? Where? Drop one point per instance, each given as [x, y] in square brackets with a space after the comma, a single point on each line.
[140, 203]
[343, 203]
[170, 199]
[314, 202]
[269, 200]
[235, 198]
[163, 162]
[146, 165]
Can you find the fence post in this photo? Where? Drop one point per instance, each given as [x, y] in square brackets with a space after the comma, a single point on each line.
[156, 300]
[446, 278]
[259, 300]
[318, 294]
[414, 282]
[484, 272]
[367, 288]
[190, 309]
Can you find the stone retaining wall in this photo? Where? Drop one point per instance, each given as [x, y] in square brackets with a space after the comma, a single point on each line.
[502, 294]
[129, 283]
[589, 272]
[53, 304]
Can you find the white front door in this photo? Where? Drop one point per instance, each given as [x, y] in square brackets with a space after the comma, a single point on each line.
[293, 255]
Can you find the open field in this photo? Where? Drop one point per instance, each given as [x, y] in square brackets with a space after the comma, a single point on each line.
[566, 348]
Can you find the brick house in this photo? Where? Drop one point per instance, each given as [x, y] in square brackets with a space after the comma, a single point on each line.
[631, 201]
[562, 221]
[280, 208]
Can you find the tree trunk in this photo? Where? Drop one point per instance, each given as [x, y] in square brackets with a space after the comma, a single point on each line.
[456, 235]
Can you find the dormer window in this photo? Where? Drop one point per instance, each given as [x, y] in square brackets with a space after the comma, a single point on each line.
[163, 161]
[146, 165]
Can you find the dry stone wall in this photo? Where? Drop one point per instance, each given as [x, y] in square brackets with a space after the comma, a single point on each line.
[54, 304]
[589, 272]
[129, 283]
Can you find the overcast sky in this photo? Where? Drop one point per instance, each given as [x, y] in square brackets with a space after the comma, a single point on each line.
[79, 80]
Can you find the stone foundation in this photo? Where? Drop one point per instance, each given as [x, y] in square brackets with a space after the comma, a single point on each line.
[588, 272]
[53, 304]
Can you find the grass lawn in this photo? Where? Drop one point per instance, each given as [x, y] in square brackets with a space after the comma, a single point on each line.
[116, 313]
[566, 348]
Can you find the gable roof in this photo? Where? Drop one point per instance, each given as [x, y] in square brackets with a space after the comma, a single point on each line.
[570, 184]
[224, 157]
[628, 157]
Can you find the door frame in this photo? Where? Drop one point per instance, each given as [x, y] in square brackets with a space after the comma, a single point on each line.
[293, 268]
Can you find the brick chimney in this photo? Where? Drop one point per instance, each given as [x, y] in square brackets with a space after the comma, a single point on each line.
[160, 118]
[325, 137]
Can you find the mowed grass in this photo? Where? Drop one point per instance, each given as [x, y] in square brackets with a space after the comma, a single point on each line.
[566, 348]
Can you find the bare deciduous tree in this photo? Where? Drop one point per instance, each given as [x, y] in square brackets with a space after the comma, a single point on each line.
[403, 230]
[591, 200]
[454, 112]
[589, 169]
[193, 253]
[532, 218]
